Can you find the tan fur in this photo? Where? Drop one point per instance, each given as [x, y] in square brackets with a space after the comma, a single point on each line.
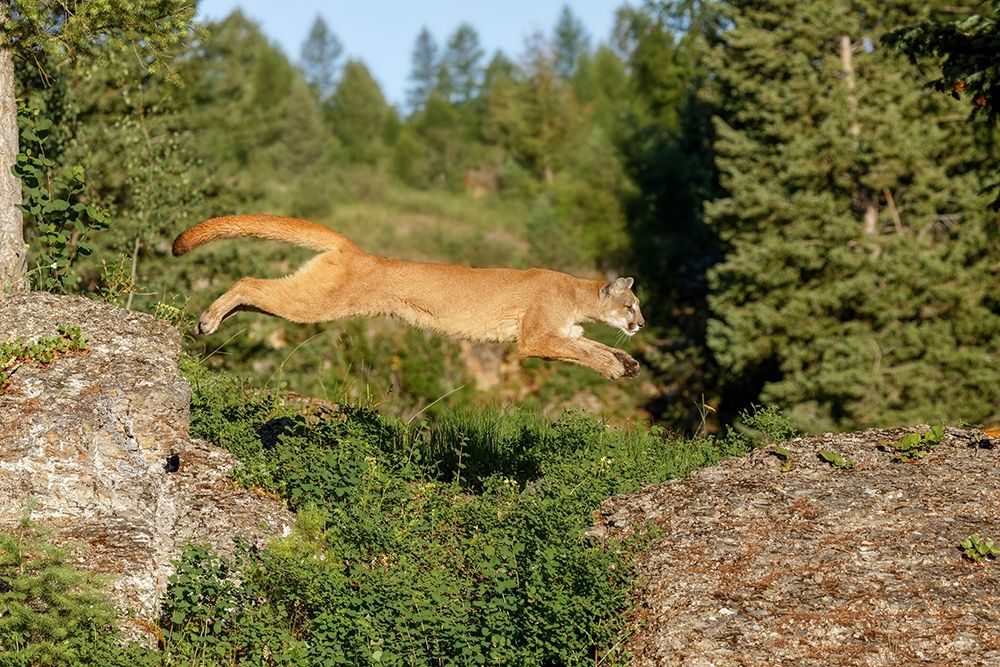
[540, 309]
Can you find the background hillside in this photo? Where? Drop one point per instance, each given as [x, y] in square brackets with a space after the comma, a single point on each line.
[806, 222]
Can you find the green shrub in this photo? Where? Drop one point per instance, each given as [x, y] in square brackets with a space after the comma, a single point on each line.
[914, 446]
[835, 459]
[979, 550]
[55, 206]
[455, 541]
[210, 617]
[762, 426]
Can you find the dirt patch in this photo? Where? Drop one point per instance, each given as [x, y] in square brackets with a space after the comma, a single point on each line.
[816, 565]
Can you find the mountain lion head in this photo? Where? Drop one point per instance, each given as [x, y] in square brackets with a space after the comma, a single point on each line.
[621, 307]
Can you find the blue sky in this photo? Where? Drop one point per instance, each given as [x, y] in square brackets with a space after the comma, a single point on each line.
[382, 32]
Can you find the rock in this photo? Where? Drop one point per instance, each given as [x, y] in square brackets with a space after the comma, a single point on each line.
[817, 565]
[96, 445]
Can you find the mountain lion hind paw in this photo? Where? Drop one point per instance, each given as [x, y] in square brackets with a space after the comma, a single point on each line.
[205, 326]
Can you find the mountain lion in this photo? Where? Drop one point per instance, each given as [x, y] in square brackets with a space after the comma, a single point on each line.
[542, 310]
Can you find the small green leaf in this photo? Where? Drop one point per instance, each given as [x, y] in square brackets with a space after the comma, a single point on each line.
[834, 459]
[57, 205]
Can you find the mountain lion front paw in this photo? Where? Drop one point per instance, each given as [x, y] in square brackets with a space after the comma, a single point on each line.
[631, 365]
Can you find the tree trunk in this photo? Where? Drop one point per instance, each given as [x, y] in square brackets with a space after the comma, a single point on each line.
[871, 203]
[12, 250]
[847, 62]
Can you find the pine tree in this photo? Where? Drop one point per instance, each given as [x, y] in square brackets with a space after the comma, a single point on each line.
[53, 613]
[499, 73]
[570, 43]
[969, 51]
[358, 111]
[245, 93]
[500, 69]
[535, 115]
[602, 77]
[423, 71]
[321, 54]
[857, 288]
[663, 124]
[970, 48]
[462, 65]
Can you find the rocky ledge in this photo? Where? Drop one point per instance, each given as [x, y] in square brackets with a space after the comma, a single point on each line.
[781, 558]
[95, 445]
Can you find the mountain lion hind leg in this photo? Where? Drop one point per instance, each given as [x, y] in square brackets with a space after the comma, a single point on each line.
[246, 294]
[298, 298]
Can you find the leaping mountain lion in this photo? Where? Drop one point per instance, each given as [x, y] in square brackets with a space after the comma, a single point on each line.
[541, 310]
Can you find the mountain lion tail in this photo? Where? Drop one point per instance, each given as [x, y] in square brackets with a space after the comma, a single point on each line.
[271, 227]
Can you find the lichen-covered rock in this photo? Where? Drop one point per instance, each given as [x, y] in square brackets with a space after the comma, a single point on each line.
[782, 559]
[96, 445]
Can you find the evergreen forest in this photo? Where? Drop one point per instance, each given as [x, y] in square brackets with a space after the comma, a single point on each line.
[806, 193]
[807, 220]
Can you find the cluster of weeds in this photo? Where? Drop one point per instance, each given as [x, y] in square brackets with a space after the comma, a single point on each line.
[177, 315]
[914, 446]
[763, 426]
[836, 460]
[977, 549]
[117, 283]
[17, 352]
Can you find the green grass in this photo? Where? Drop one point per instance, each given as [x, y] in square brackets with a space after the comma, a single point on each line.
[440, 226]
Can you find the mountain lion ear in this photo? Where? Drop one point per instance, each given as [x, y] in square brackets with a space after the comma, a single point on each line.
[617, 286]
